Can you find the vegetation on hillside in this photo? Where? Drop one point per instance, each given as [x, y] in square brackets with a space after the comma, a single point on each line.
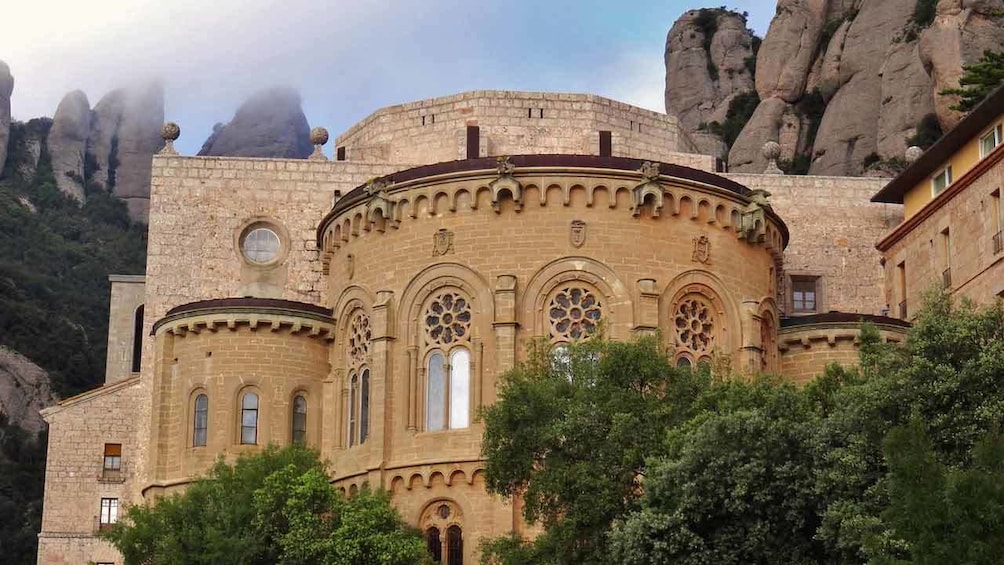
[622, 458]
[273, 507]
[22, 468]
[978, 80]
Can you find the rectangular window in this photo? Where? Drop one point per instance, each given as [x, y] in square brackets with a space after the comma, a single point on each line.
[606, 143]
[804, 294]
[990, 141]
[109, 512]
[901, 274]
[946, 255]
[941, 180]
[113, 457]
[473, 142]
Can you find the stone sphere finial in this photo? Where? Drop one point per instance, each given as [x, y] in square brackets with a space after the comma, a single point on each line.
[170, 132]
[913, 153]
[318, 136]
[771, 151]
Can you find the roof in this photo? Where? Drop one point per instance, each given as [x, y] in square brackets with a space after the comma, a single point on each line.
[244, 305]
[842, 317]
[932, 159]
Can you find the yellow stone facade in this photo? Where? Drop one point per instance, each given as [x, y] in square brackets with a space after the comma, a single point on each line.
[406, 274]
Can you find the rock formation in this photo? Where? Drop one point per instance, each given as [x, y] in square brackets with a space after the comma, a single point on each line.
[703, 74]
[24, 390]
[269, 124]
[840, 81]
[67, 143]
[6, 88]
[138, 136]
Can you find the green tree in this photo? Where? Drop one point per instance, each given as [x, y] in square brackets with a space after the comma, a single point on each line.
[978, 80]
[273, 507]
[571, 435]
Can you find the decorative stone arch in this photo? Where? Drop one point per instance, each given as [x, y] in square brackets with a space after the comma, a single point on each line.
[617, 311]
[642, 195]
[435, 277]
[726, 323]
[769, 325]
[502, 185]
[380, 211]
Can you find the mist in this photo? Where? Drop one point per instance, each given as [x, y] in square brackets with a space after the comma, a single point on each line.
[347, 59]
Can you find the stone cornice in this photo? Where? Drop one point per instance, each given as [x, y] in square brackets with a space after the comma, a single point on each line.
[256, 313]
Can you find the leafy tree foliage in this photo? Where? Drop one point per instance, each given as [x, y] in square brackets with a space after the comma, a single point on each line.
[570, 435]
[273, 507]
[899, 460]
[979, 80]
[22, 463]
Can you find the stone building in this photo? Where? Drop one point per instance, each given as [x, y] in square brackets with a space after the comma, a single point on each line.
[368, 304]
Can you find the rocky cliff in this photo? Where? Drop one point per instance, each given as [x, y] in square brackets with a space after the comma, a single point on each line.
[839, 83]
[269, 124]
[24, 390]
[6, 88]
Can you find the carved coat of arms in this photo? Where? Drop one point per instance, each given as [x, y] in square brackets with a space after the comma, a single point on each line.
[442, 242]
[702, 250]
[577, 234]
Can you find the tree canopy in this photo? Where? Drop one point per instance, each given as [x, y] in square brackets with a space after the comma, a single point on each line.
[274, 507]
[898, 460]
[978, 80]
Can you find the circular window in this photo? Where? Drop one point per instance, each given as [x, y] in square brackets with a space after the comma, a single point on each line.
[261, 245]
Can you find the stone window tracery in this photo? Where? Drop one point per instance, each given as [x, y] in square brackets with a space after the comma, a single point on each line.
[358, 346]
[694, 323]
[573, 313]
[442, 525]
[446, 324]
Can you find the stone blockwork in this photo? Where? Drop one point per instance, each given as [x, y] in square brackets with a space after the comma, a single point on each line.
[124, 313]
[807, 348]
[517, 123]
[954, 233]
[834, 229]
[75, 481]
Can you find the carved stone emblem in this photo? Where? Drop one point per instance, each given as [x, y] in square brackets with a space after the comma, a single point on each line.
[702, 250]
[377, 186]
[350, 265]
[577, 233]
[649, 171]
[442, 242]
[504, 166]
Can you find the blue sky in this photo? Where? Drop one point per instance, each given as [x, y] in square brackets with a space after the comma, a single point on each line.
[346, 58]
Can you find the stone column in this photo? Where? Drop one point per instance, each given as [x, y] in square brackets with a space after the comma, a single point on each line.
[646, 316]
[505, 324]
[752, 350]
[381, 377]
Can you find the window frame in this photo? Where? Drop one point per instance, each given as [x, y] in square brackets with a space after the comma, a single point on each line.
[111, 517]
[816, 294]
[298, 427]
[257, 416]
[450, 399]
[200, 395]
[997, 133]
[945, 173]
[115, 459]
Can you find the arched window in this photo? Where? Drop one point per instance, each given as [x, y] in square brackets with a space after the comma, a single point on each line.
[574, 313]
[299, 419]
[200, 421]
[137, 339]
[454, 546]
[434, 544]
[697, 325]
[447, 326]
[249, 418]
[357, 356]
[353, 410]
[683, 362]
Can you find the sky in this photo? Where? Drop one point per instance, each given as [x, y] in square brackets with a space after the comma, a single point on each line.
[346, 58]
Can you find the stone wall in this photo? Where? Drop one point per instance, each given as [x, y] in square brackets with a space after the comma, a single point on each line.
[127, 294]
[516, 123]
[834, 228]
[807, 349]
[955, 231]
[75, 481]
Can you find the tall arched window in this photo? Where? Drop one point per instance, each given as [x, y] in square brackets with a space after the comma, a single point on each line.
[299, 419]
[200, 421]
[442, 522]
[454, 545]
[137, 339]
[357, 357]
[434, 544]
[447, 326]
[249, 418]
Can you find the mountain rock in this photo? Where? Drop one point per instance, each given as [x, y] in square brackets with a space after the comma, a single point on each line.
[269, 124]
[704, 73]
[24, 390]
[124, 136]
[789, 49]
[67, 143]
[6, 88]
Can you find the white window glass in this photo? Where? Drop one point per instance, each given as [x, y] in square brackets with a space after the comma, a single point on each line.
[261, 245]
[109, 511]
[201, 424]
[941, 180]
[299, 419]
[249, 419]
[989, 141]
[460, 388]
[435, 397]
[353, 408]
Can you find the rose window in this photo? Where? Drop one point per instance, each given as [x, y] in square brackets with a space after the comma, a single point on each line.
[448, 319]
[695, 325]
[359, 339]
[574, 313]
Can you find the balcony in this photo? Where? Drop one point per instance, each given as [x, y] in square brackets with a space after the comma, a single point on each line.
[902, 310]
[998, 242]
[946, 278]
